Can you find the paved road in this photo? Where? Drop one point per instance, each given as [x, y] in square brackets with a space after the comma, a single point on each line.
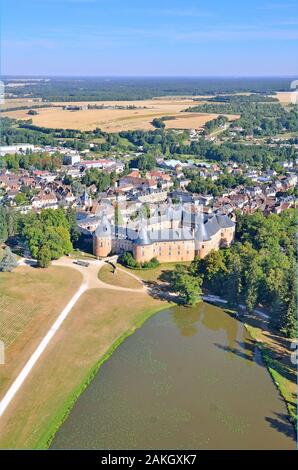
[90, 280]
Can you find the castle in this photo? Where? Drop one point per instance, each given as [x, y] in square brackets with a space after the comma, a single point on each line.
[176, 235]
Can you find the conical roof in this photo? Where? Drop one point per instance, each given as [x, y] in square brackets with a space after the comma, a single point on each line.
[201, 233]
[143, 238]
[104, 228]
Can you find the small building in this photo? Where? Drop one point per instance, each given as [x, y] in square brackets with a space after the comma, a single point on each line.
[71, 159]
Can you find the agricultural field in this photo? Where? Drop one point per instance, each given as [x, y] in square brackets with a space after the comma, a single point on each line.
[285, 97]
[17, 102]
[116, 120]
[194, 120]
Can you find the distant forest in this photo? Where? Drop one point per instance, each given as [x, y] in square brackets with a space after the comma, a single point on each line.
[100, 89]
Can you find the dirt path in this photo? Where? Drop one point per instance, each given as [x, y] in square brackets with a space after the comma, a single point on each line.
[90, 275]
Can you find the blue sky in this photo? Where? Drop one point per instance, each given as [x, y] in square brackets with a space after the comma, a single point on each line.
[149, 37]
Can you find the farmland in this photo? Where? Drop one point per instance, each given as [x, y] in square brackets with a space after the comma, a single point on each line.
[116, 120]
[284, 97]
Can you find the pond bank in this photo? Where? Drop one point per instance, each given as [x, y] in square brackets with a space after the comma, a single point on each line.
[61, 416]
[189, 378]
[277, 370]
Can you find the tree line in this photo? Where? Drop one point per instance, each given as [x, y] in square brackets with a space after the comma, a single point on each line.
[49, 234]
[259, 269]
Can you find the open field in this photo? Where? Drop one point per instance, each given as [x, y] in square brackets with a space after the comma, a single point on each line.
[194, 120]
[14, 103]
[115, 120]
[105, 318]
[119, 278]
[30, 300]
[153, 275]
[285, 97]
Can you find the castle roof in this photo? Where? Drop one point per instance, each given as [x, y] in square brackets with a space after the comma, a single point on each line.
[104, 228]
[224, 221]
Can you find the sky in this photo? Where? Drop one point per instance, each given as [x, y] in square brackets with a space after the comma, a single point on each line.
[149, 37]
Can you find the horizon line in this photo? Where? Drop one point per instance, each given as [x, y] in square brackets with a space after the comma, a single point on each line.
[145, 76]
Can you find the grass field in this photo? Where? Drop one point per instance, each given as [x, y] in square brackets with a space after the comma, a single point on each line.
[153, 275]
[100, 320]
[115, 120]
[30, 300]
[119, 278]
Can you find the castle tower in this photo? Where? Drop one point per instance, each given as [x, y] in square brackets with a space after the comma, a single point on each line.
[102, 238]
[142, 248]
[201, 235]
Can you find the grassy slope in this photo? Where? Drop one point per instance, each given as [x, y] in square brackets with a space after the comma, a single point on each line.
[30, 300]
[120, 278]
[153, 275]
[279, 371]
[100, 321]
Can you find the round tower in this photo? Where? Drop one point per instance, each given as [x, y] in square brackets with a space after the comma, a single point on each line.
[201, 235]
[102, 238]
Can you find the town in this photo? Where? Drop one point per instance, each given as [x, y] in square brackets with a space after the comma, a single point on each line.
[178, 208]
[134, 192]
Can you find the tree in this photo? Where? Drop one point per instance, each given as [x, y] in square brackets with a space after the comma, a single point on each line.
[44, 257]
[20, 199]
[73, 226]
[284, 315]
[188, 286]
[48, 234]
[128, 260]
[3, 224]
[9, 261]
[144, 162]
[158, 123]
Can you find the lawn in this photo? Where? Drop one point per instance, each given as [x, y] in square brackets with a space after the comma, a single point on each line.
[100, 320]
[155, 274]
[30, 300]
[119, 278]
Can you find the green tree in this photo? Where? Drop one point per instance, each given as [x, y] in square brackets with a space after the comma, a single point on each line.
[188, 286]
[3, 224]
[73, 226]
[158, 123]
[44, 257]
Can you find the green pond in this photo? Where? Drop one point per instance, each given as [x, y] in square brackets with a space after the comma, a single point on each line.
[189, 378]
